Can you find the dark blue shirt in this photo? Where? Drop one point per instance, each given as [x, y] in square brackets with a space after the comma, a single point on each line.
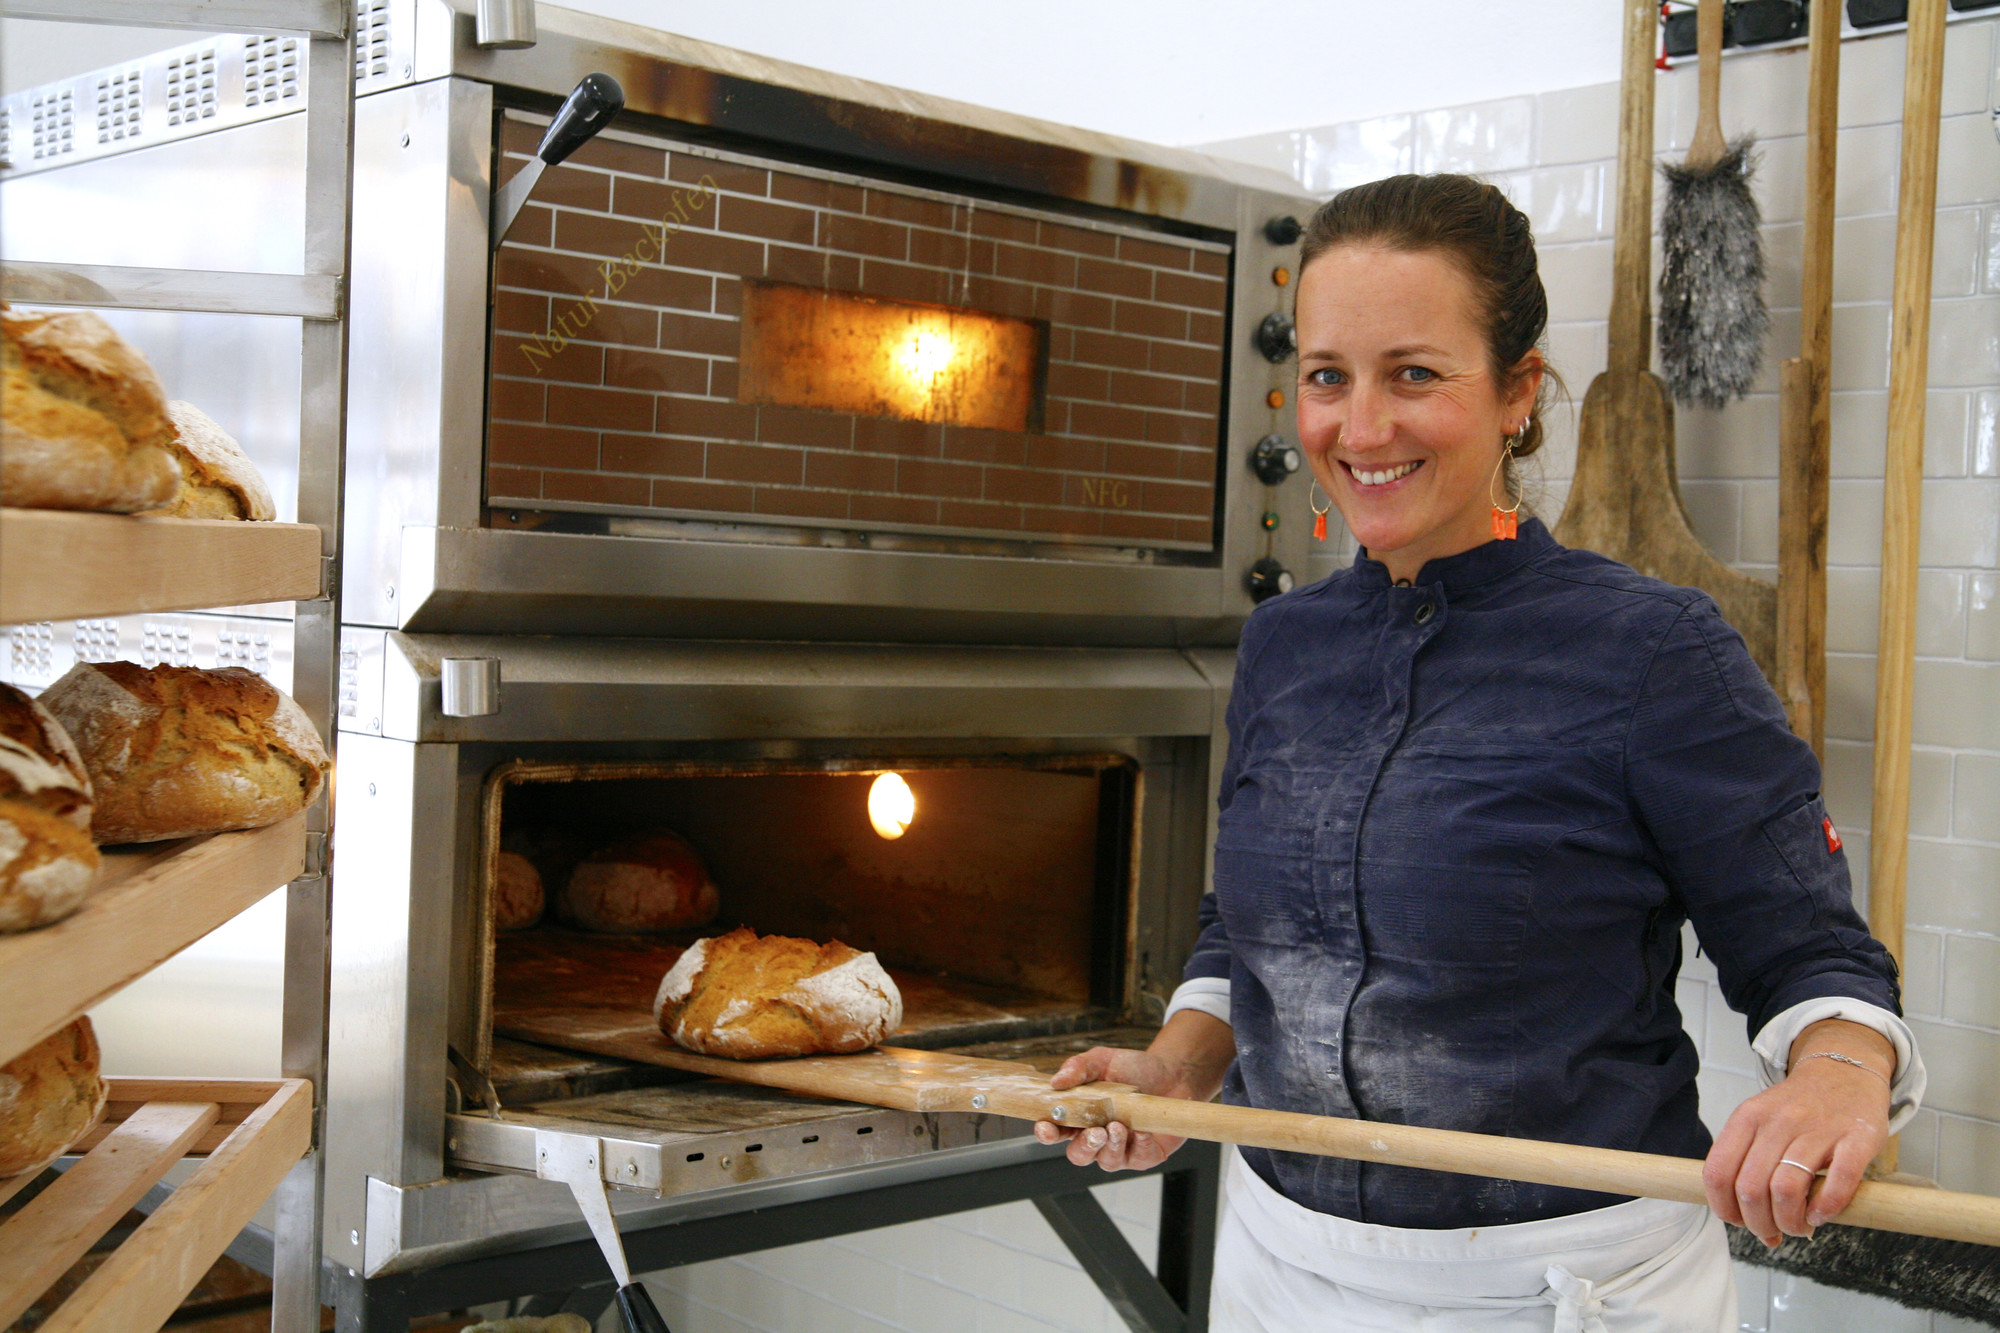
[1462, 823]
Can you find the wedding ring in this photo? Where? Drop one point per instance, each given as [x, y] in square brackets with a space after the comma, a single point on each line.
[1786, 1161]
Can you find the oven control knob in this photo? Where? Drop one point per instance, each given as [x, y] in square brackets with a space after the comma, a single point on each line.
[1273, 460]
[1277, 337]
[1267, 579]
[1283, 230]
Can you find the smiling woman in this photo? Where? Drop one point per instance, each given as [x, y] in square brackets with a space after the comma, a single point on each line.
[1474, 787]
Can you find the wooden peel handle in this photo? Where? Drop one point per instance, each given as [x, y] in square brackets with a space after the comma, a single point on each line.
[1885, 1207]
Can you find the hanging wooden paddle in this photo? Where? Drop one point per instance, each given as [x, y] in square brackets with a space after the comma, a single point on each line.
[1625, 500]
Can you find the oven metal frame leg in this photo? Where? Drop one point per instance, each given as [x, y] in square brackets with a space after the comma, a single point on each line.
[572, 1275]
[1175, 1301]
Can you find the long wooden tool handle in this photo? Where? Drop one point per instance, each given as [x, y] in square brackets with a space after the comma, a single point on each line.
[1706, 148]
[1903, 478]
[1886, 1207]
[1631, 335]
[1805, 407]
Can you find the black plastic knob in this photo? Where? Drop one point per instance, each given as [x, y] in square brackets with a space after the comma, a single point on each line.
[1277, 337]
[1283, 230]
[1273, 460]
[1267, 579]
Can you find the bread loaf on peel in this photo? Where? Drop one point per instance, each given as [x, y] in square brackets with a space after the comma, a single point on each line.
[50, 1096]
[47, 858]
[178, 751]
[84, 417]
[750, 998]
[218, 480]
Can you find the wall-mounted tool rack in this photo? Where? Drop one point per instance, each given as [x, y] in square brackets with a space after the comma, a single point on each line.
[257, 1135]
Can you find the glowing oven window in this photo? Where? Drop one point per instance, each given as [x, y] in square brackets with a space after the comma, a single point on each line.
[839, 352]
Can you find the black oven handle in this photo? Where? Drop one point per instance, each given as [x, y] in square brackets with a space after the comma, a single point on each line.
[588, 109]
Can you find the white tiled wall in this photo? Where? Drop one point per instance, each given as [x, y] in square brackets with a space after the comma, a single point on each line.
[1554, 155]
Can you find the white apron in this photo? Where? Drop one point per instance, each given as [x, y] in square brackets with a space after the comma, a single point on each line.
[1647, 1266]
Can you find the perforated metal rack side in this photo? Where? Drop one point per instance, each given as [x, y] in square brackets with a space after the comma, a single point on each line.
[331, 43]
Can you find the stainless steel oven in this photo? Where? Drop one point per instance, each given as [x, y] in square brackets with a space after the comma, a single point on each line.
[800, 429]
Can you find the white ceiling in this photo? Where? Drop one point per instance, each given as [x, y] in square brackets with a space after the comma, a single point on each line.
[1172, 71]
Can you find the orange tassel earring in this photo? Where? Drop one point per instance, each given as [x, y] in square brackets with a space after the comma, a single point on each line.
[1319, 511]
[1506, 522]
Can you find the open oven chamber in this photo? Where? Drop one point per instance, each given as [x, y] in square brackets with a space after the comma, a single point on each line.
[1040, 902]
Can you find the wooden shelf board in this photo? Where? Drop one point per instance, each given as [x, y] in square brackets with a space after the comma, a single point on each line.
[58, 564]
[147, 907]
[149, 1126]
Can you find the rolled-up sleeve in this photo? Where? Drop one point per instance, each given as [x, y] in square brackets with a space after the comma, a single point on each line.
[1729, 800]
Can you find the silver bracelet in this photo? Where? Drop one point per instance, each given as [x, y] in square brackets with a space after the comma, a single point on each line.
[1846, 1060]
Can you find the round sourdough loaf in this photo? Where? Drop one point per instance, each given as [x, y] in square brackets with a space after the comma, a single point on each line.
[218, 480]
[85, 417]
[517, 893]
[50, 1096]
[751, 998]
[646, 882]
[178, 751]
[47, 859]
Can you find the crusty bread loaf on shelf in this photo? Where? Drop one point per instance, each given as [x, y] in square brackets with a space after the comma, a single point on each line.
[50, 1096]
[47, 858]
[82, 416]
[178, 751]
[646, 882]
[218, 480]
[751, 998]
[518, 898]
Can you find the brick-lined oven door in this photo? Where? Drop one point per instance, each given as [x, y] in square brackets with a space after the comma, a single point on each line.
[617, 333]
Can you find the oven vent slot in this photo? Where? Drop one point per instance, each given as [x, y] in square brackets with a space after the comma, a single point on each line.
[166, 643]
[191, 86]
[97, 641]
[31, 652]
[118, 106]
[55, 124]
[270, 69]
[371, 38]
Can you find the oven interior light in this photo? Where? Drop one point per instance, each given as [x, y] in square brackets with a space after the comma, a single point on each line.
[892, 806]
[924, 356]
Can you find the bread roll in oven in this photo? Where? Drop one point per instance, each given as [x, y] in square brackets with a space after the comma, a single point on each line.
[178, 751]
[47, 858]
[50, 1096]
[518, 898]
[747, 998]
[84, 416]
[218, 480]
[646, 882]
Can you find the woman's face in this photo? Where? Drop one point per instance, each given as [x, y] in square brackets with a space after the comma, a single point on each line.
[1400, 415]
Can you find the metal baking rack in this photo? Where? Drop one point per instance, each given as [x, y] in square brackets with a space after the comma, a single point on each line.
[57, 565]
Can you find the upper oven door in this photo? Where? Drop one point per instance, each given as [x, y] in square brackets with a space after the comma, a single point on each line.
[715, 391]
[685, 337]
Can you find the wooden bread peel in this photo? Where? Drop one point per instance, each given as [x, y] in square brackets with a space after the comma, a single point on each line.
[1625, 499]
[936, 1081]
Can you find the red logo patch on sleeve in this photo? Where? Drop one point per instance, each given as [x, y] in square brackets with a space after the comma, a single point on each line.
[1832, 837]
